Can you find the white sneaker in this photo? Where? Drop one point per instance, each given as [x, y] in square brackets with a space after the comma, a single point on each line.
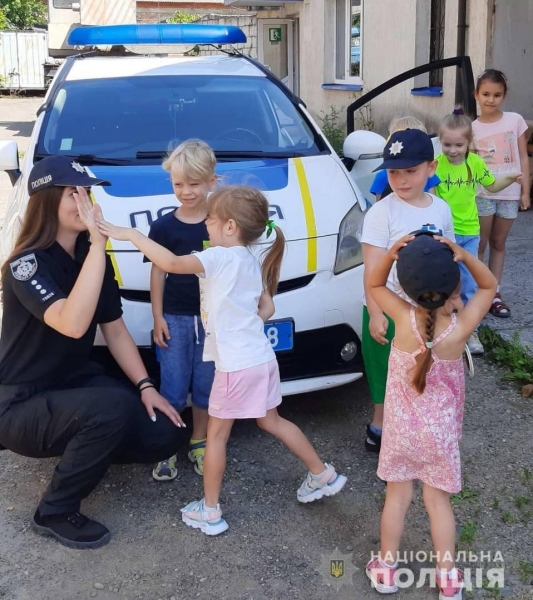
[208, 520]
[474, 344]
[327, 483]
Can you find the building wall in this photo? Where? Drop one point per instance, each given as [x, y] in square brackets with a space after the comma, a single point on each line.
[514, 21]
[313, 18]
[149, 12]
[395, 38]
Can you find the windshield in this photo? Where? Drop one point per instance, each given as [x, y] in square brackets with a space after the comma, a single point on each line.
[143, 118]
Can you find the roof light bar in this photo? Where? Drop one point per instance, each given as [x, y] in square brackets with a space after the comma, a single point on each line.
[162, 33]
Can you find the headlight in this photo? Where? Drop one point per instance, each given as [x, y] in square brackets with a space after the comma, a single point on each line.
[349, 249]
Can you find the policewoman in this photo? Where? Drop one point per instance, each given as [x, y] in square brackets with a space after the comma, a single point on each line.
[58, 285]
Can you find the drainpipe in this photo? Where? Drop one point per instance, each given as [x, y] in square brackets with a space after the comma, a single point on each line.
[461, 46]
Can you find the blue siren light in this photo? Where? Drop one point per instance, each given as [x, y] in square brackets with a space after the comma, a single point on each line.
[162, 33]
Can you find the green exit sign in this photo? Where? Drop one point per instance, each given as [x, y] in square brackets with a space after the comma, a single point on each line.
[274, 34]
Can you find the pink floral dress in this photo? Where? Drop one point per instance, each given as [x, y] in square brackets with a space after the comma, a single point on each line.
[421, 432]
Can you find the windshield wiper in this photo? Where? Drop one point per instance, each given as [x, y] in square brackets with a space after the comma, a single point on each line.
[91, 159]
[151, 154]
[256, 154]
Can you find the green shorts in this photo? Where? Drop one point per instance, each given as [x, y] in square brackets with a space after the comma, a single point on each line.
[376, 359]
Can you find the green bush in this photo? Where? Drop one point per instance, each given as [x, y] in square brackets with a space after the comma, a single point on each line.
[182, 17]
[509, 354]
[334, 131]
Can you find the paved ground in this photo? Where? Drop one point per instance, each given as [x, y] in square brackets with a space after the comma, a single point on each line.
[276, 548]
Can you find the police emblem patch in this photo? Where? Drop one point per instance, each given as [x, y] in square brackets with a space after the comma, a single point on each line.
[24, 267]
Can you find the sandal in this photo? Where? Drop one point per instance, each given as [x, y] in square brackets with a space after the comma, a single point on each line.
[499, 308]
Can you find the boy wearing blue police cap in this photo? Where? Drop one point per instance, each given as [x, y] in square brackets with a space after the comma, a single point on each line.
[409, 159]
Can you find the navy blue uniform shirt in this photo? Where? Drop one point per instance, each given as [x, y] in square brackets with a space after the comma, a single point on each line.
[31, 352]
[182, 292]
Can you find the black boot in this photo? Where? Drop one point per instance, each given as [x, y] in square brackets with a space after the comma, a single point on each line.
[72, 530]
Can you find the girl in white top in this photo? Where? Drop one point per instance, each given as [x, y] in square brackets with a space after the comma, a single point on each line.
[236, 299]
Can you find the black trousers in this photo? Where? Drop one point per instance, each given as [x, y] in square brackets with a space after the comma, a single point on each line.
[91, 421]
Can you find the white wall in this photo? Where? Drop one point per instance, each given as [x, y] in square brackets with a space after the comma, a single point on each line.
[395, 38]
[512, 52]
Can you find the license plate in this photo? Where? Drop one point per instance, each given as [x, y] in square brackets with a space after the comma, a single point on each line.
[280, 334]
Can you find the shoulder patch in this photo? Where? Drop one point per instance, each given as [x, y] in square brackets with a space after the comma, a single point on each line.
[24, 267]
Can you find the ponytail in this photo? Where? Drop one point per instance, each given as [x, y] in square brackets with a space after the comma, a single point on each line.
[271, 265]
[425, 360]
[248, 207]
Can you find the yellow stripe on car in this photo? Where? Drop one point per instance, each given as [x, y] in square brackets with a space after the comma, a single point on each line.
[109, 250]
[312, 245]
[113, 257]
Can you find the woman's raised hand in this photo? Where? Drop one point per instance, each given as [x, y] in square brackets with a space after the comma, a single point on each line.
[89, 213]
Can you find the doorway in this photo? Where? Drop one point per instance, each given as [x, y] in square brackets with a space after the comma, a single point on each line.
[275, 42]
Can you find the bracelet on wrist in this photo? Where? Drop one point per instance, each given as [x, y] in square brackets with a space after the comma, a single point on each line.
[146, 387]
[145, 380]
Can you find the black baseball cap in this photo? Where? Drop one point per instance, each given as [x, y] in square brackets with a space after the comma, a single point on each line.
[62, 171]
[426, 265]
[407, 148]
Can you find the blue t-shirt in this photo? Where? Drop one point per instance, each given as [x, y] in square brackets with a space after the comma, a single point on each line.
[182, 292]
[381, 181]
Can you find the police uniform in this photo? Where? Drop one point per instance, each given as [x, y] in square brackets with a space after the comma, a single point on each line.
[53, 400]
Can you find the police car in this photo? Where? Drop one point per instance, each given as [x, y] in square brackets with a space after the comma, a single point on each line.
[119, 115]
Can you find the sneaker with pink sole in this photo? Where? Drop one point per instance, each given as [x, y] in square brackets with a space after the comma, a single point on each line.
[451, 588]
[382, 576]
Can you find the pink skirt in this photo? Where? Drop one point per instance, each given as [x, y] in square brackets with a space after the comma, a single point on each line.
[245, 394]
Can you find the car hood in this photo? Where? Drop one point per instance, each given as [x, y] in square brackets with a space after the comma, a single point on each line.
[308, 196]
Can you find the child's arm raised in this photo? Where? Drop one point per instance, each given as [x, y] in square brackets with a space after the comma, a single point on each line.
[159, 255]
[387, 300]
[476, 309]
[503, 182]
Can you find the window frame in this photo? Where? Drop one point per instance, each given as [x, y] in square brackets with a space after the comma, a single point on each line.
[348, 78]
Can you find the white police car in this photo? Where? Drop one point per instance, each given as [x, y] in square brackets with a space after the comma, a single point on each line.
[119, 116]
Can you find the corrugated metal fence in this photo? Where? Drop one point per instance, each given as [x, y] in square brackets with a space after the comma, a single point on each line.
[22, 56]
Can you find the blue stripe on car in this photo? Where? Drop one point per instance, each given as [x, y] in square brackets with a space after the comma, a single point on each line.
[151, 180]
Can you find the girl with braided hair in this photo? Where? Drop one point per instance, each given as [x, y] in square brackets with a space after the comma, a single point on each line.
[425, 394]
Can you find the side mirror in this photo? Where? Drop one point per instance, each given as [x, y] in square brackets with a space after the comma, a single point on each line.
[9, 159]
[363, 144]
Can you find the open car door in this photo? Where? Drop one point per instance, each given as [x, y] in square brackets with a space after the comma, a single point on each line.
[363, 149]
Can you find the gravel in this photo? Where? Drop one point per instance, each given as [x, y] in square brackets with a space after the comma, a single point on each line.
[275, 547]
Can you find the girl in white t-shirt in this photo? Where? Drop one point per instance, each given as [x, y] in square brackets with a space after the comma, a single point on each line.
[236, 299]
[500, 140]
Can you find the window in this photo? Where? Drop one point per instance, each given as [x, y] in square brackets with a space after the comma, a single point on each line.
[63, 3]
[436, 39]
[348, 28]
